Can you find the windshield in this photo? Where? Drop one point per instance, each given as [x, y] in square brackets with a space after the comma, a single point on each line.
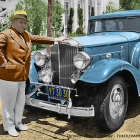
[115, 24]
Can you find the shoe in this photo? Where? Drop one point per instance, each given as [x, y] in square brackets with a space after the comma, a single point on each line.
[13, 132]
[22, 127]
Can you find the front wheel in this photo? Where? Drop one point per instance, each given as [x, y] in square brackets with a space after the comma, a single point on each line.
[111, 104]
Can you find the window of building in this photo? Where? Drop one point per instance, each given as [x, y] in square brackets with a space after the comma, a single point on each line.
[53, 1]
[79, 5]
[66, 6]
[98, 2]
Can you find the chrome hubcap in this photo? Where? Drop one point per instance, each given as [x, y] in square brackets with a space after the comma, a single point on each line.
[116, 103]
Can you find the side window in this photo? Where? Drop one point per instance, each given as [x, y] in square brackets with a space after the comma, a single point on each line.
[110, 25]
[98, 25]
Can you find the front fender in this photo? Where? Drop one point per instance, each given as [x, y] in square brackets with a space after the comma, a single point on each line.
[33, 75]
[103, 70]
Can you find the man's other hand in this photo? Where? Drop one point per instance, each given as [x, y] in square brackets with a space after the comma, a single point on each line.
[4, 64]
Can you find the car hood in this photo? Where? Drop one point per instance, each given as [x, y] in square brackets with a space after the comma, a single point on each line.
[97, 39]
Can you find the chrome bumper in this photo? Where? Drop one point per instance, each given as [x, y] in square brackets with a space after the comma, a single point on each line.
[59, 108]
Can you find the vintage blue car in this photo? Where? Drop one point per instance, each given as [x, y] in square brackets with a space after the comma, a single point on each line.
[90, 75]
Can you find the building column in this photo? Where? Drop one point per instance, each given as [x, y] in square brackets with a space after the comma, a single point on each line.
[63, 17]
[75, 15]
[95, 7]
[83, 7]
[71, 3]
[86, 15]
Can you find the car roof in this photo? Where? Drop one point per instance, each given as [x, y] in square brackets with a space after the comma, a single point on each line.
[117, 14]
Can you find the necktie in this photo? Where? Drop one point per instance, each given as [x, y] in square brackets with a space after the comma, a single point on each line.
[22, 38]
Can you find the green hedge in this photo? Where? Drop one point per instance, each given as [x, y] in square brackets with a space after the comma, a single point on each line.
[80, 30]
[75, 35]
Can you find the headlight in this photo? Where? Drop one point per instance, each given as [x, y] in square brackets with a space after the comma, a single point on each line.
[45, 75]
[41, 58]
[81, 60]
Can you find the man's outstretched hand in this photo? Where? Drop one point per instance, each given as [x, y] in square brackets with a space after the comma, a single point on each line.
[61, 39]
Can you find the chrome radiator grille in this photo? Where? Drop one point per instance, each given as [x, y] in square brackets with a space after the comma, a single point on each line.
[62, 63]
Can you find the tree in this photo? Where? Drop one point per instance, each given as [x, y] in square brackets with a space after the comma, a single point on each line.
[130, 4]
[110, 8]
[57, 11]
[9, 13]
[70, 21]
[37, 16]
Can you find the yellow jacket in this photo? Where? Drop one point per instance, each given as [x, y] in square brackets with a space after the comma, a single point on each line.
[17, 53]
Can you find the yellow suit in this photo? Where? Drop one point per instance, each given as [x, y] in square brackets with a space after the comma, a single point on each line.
[13, 76]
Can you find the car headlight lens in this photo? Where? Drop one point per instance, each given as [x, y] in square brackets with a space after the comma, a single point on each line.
[45, 75]
[81, 60]
[41, 58]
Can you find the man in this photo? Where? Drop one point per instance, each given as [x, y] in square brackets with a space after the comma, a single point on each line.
[15, 56]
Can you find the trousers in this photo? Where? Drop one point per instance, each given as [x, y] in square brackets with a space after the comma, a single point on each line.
[12, 102]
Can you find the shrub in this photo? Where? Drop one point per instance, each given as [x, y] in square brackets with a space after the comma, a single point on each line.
[80, 30]
[80, 16]
[92, 11]
[80, 21]
[75, 35]
[70, 21]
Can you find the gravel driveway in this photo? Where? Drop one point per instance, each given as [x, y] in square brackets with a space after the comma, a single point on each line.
[47, 125]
